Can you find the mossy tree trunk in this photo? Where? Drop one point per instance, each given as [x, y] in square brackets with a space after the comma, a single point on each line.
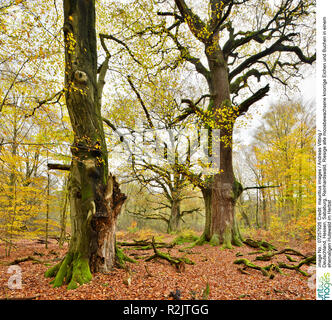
[95, 197]
[231, 235]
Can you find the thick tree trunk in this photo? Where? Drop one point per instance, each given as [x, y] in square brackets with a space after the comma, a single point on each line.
[174, 220]
[222, 226]
[95, 198]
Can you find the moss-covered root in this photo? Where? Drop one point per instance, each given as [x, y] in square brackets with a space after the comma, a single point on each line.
[260, 244]
[247, 263]
[232, 236]
[227, 238]
[177, 261]
[199, 242]
[121, 258]
[308, 261]
[73, 270]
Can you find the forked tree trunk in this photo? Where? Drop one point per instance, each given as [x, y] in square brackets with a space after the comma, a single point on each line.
[95, 197]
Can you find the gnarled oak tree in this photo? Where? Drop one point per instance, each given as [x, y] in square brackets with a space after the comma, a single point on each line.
[274, 47]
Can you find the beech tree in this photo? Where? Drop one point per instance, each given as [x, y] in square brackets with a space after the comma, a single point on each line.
[95, 197]
[286, 156]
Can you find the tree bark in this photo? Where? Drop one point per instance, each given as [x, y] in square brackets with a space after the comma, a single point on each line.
[63, 214]
[174, 220]
[221, 114]
[222, 226]
[94, 195]
[207, 193]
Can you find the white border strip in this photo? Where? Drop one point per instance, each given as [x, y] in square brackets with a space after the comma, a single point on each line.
[324, 156]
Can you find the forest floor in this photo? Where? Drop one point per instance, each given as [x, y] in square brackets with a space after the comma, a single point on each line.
[156, 279]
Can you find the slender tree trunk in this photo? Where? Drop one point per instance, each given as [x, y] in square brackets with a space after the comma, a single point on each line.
[207, 194]
[174, 220]
[257, 210]
[94, 195]
[63, 215]
[264, 210]
[47, 205]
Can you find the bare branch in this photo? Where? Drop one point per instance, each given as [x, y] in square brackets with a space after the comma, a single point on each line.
[12, 84]
[57, 96]
[146, 112]
[258, 95]
[110, 37]
[195, 24]
[58, 166]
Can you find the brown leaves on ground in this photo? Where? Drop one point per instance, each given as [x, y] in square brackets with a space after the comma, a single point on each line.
[157, 279]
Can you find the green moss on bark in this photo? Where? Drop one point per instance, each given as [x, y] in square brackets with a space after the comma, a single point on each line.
[80, 273]
[215, 240]
[50, 273]
[63, 271]
[227, 238]
[122, 258]
[74, 270]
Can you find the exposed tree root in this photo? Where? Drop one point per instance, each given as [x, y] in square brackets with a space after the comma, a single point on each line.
[260, 244]
[187, 251]
[199, 242]
[178, 262]
[144, 244]
[247, 263]
[307, 261]
[73, 270]
[267, 270]
[28, 258]
[268, 256]
[121, 258]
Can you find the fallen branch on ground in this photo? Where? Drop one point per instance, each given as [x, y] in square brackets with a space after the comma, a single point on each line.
[273, 267]
[307, 261]
[268, 256]
[144, 244]
[28, 258]
[20, 298]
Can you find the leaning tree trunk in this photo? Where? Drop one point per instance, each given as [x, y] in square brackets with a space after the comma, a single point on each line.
[222, 226]
[95, 198]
